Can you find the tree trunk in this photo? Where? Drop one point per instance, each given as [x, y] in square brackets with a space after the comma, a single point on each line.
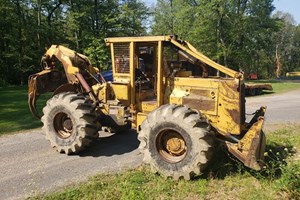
[278, 63]
[39, 8]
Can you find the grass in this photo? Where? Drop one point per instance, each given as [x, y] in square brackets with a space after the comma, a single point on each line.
[279, 86]
[14, 111]
[226, 178]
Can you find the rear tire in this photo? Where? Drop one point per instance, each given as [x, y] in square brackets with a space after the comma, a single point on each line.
[68, 122]
[176, 141]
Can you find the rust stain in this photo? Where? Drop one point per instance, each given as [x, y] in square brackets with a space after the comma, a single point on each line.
[235, 115]
[204, 105]
[200, 100]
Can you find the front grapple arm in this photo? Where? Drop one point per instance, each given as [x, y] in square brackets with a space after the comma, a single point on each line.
[40, 83]
[77, 69]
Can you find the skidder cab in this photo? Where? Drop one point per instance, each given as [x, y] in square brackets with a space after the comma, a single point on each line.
[179, 101]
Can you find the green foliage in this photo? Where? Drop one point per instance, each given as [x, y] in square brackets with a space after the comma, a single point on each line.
[282, 161]
[133, 16]
[98, 53]
[31, 26]
[289, 182]
[239, 34]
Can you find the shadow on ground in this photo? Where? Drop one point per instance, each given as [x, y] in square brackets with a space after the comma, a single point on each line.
[112, 144]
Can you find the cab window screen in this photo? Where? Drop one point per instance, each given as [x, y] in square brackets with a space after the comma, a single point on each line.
[121, 51]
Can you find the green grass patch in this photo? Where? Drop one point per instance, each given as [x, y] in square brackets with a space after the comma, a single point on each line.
[136, 184]
[14, 111]
[225, 179]
[279, 86]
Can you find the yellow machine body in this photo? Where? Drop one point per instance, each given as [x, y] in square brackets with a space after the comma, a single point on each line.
[221, 99]
[152, 71]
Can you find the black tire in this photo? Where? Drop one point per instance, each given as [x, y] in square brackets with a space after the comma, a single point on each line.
[176, 141]
[68, 122]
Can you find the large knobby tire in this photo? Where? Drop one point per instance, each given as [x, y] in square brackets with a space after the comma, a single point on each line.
[176, 141]
[68, 122]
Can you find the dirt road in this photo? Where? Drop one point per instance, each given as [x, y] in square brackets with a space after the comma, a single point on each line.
[282, 108]
[29, 166]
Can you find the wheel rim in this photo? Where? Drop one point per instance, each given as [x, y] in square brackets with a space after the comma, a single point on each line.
[63, 125]
[171, 146]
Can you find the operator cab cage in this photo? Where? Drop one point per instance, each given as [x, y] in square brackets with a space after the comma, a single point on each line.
[159, 58]
[175, 55]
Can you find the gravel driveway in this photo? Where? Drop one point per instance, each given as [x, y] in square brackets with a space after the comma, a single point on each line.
[29, 165]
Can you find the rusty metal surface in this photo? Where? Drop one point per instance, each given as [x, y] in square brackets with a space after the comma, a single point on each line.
[199, 104]
[83, 82]
[259, 113]
[229, 108]
[65, 88]
[251, 147]
[40, 83]
[171, 145]
[263, 86]
[234, 115]
[201, 99]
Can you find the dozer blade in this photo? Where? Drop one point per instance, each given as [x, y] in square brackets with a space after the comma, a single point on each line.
[250, 149]
[40, 83]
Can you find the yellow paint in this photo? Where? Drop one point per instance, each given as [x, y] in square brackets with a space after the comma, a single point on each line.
[132, 72]
[121, 91]
[140, 118]
[228, 106]
[160, 74]
[147, 107]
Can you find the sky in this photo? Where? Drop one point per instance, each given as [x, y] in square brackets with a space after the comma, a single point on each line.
[290, 6]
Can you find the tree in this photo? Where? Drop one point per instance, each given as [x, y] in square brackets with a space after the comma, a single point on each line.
[31, 26]
[133, 15]
[232, 32]
[284, 41]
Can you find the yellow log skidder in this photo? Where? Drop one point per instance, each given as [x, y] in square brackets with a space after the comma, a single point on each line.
[177, 99]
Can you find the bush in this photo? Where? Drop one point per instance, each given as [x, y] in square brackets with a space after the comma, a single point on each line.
[2, 83]
[290, 180]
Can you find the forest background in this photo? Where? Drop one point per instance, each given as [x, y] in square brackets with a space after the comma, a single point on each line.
[244, 35]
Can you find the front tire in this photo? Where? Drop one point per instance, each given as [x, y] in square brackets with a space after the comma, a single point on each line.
[176, 141]
[68, 122]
